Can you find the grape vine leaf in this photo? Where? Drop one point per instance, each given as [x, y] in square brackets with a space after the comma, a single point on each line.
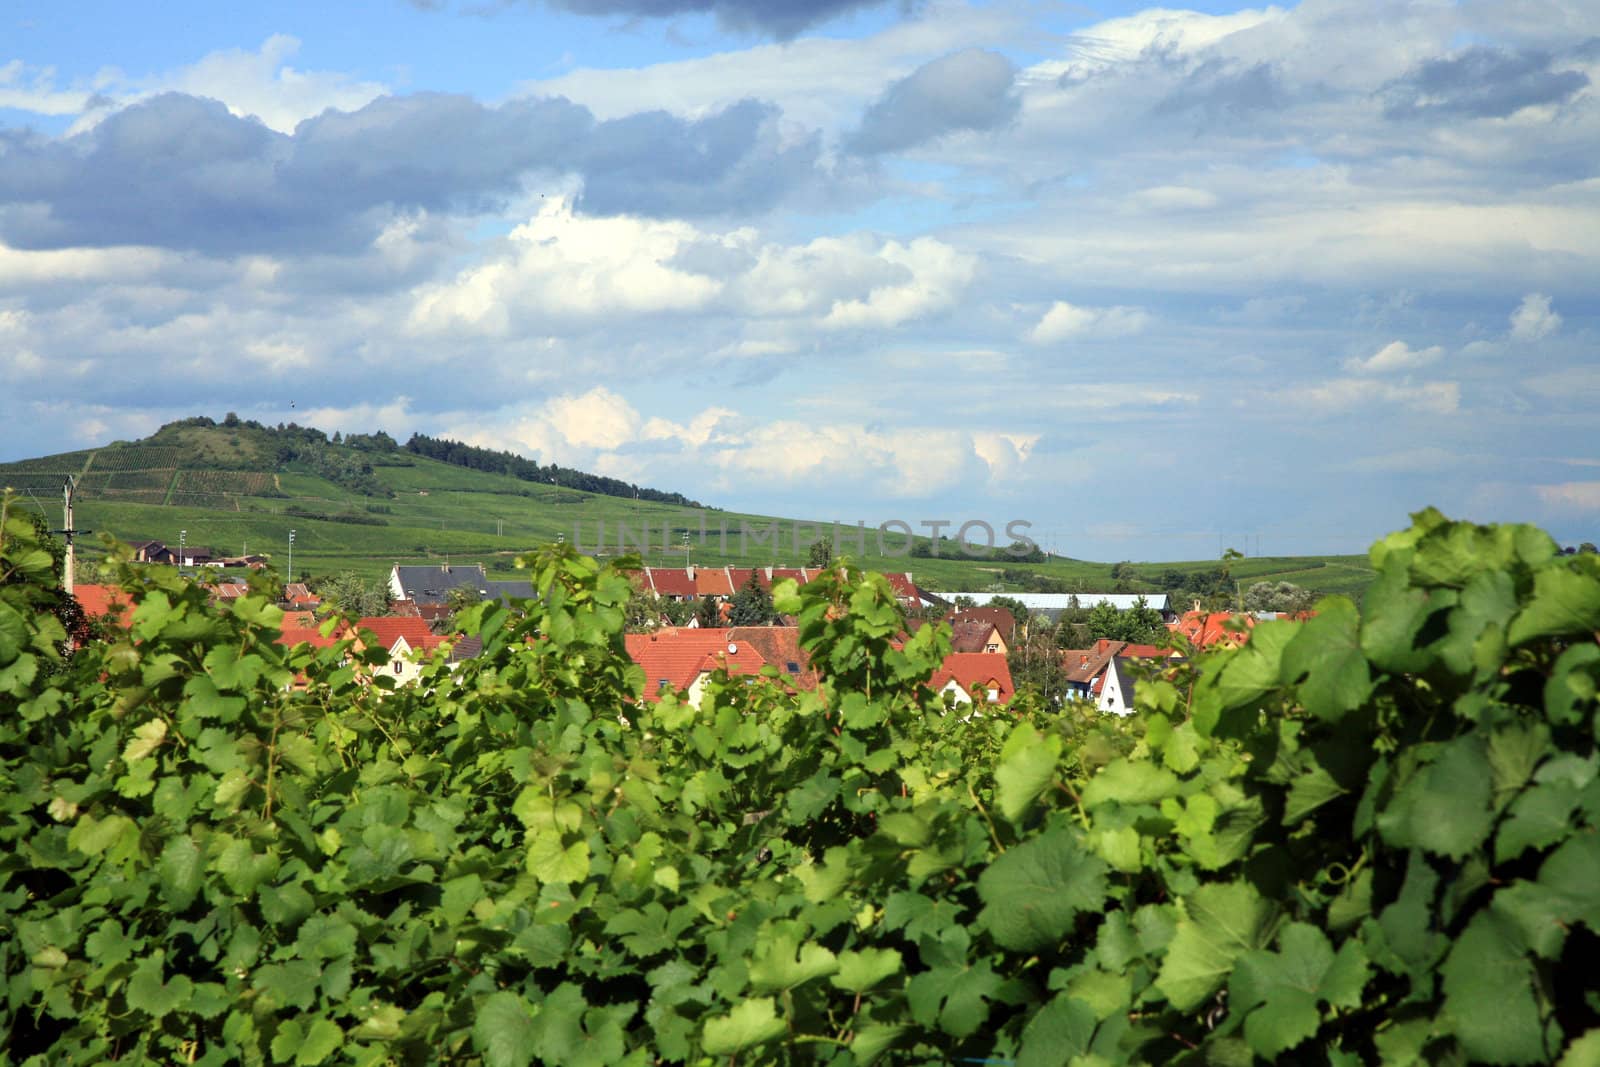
[1223, 921]
[504, 1032]
[1034, 891]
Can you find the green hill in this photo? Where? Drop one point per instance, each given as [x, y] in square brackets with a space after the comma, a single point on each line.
[364, 502]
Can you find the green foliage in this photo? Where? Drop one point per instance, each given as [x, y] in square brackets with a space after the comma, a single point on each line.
[1140, 624]
[1370, 838]
[356, 596]
[751, 605]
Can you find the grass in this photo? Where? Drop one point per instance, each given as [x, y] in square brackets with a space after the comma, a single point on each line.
[439, 511]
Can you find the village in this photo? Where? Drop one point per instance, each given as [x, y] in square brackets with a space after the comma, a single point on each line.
[690, 628]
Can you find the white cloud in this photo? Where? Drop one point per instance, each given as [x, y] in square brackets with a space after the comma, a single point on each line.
[33, 89]
[1534, 319]
[1394, 356]
[1004, 453]
[564, 266]
[570, 428]
[937, 275]
[1347, 394]
[260, 84]
[1574, 496]
[819, 82]
[1064, 321]
[561, 268]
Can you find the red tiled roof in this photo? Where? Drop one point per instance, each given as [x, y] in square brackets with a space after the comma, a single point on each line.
[977, 673]
[970, 635]
[1204, 629]
[712, 581]
[903, 586]
[779, 646]
[999, 618]
[677, 657]
[740, 575]
[390, 628]
[311, 635]
[100, 601]
[670, 581]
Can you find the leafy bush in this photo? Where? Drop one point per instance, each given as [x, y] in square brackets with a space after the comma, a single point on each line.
[1352, 839]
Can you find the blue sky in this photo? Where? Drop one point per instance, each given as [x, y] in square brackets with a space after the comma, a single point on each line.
[1157, 280]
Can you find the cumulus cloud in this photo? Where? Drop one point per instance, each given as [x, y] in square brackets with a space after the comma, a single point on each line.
[1394, 356]
[1534, 319]
[1064, 321]
[966, 90]
[181, 172]
[561, 268]
[934, 275]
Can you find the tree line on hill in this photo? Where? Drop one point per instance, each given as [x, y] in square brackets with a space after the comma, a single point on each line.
[497, 462]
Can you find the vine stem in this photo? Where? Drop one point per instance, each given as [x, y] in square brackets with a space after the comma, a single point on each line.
[993, 834]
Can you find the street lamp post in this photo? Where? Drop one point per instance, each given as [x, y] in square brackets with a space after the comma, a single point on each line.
[182, 535]
[291, 556]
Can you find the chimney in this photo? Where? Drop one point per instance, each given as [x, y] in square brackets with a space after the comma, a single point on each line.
[690, 571]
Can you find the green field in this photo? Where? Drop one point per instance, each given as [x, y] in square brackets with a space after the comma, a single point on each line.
[225, 490]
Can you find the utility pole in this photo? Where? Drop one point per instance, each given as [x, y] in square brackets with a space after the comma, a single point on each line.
[291, 557]
[182, 536]
[68, 530]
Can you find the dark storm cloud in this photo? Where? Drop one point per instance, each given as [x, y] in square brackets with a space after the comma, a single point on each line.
[1481, 83]
[177, 171]
[967, 90]
[782, 19]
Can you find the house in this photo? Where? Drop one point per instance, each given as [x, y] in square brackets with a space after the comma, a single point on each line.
[298, 596]
[1053, 604]
[433, 583]
[1206, 628]
[974, 677]
[1118, 683]
[1116, 689]
[692, 583]
[1086, 667]
[150, 552]
[982, 630]
[713, 581]
[681, 659]
[780, 647]
[670, 583]
[107, 603]
[408, 641]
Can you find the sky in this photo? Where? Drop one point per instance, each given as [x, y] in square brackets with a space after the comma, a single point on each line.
[1157, 281]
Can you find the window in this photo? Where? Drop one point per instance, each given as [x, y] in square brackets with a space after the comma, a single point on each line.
[994, 696]
[664, 684]
[398, 666]
[792, 667]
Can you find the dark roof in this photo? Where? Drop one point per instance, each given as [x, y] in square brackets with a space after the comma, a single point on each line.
[432, 584]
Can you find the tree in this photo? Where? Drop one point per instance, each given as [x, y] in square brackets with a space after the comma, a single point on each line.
[1278, 596]
[1141, 624]
[354, 595]
[821, 554]
[709, 613]
[752, 605]
[1104, 621]
[1035, 661]
[646, 611]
